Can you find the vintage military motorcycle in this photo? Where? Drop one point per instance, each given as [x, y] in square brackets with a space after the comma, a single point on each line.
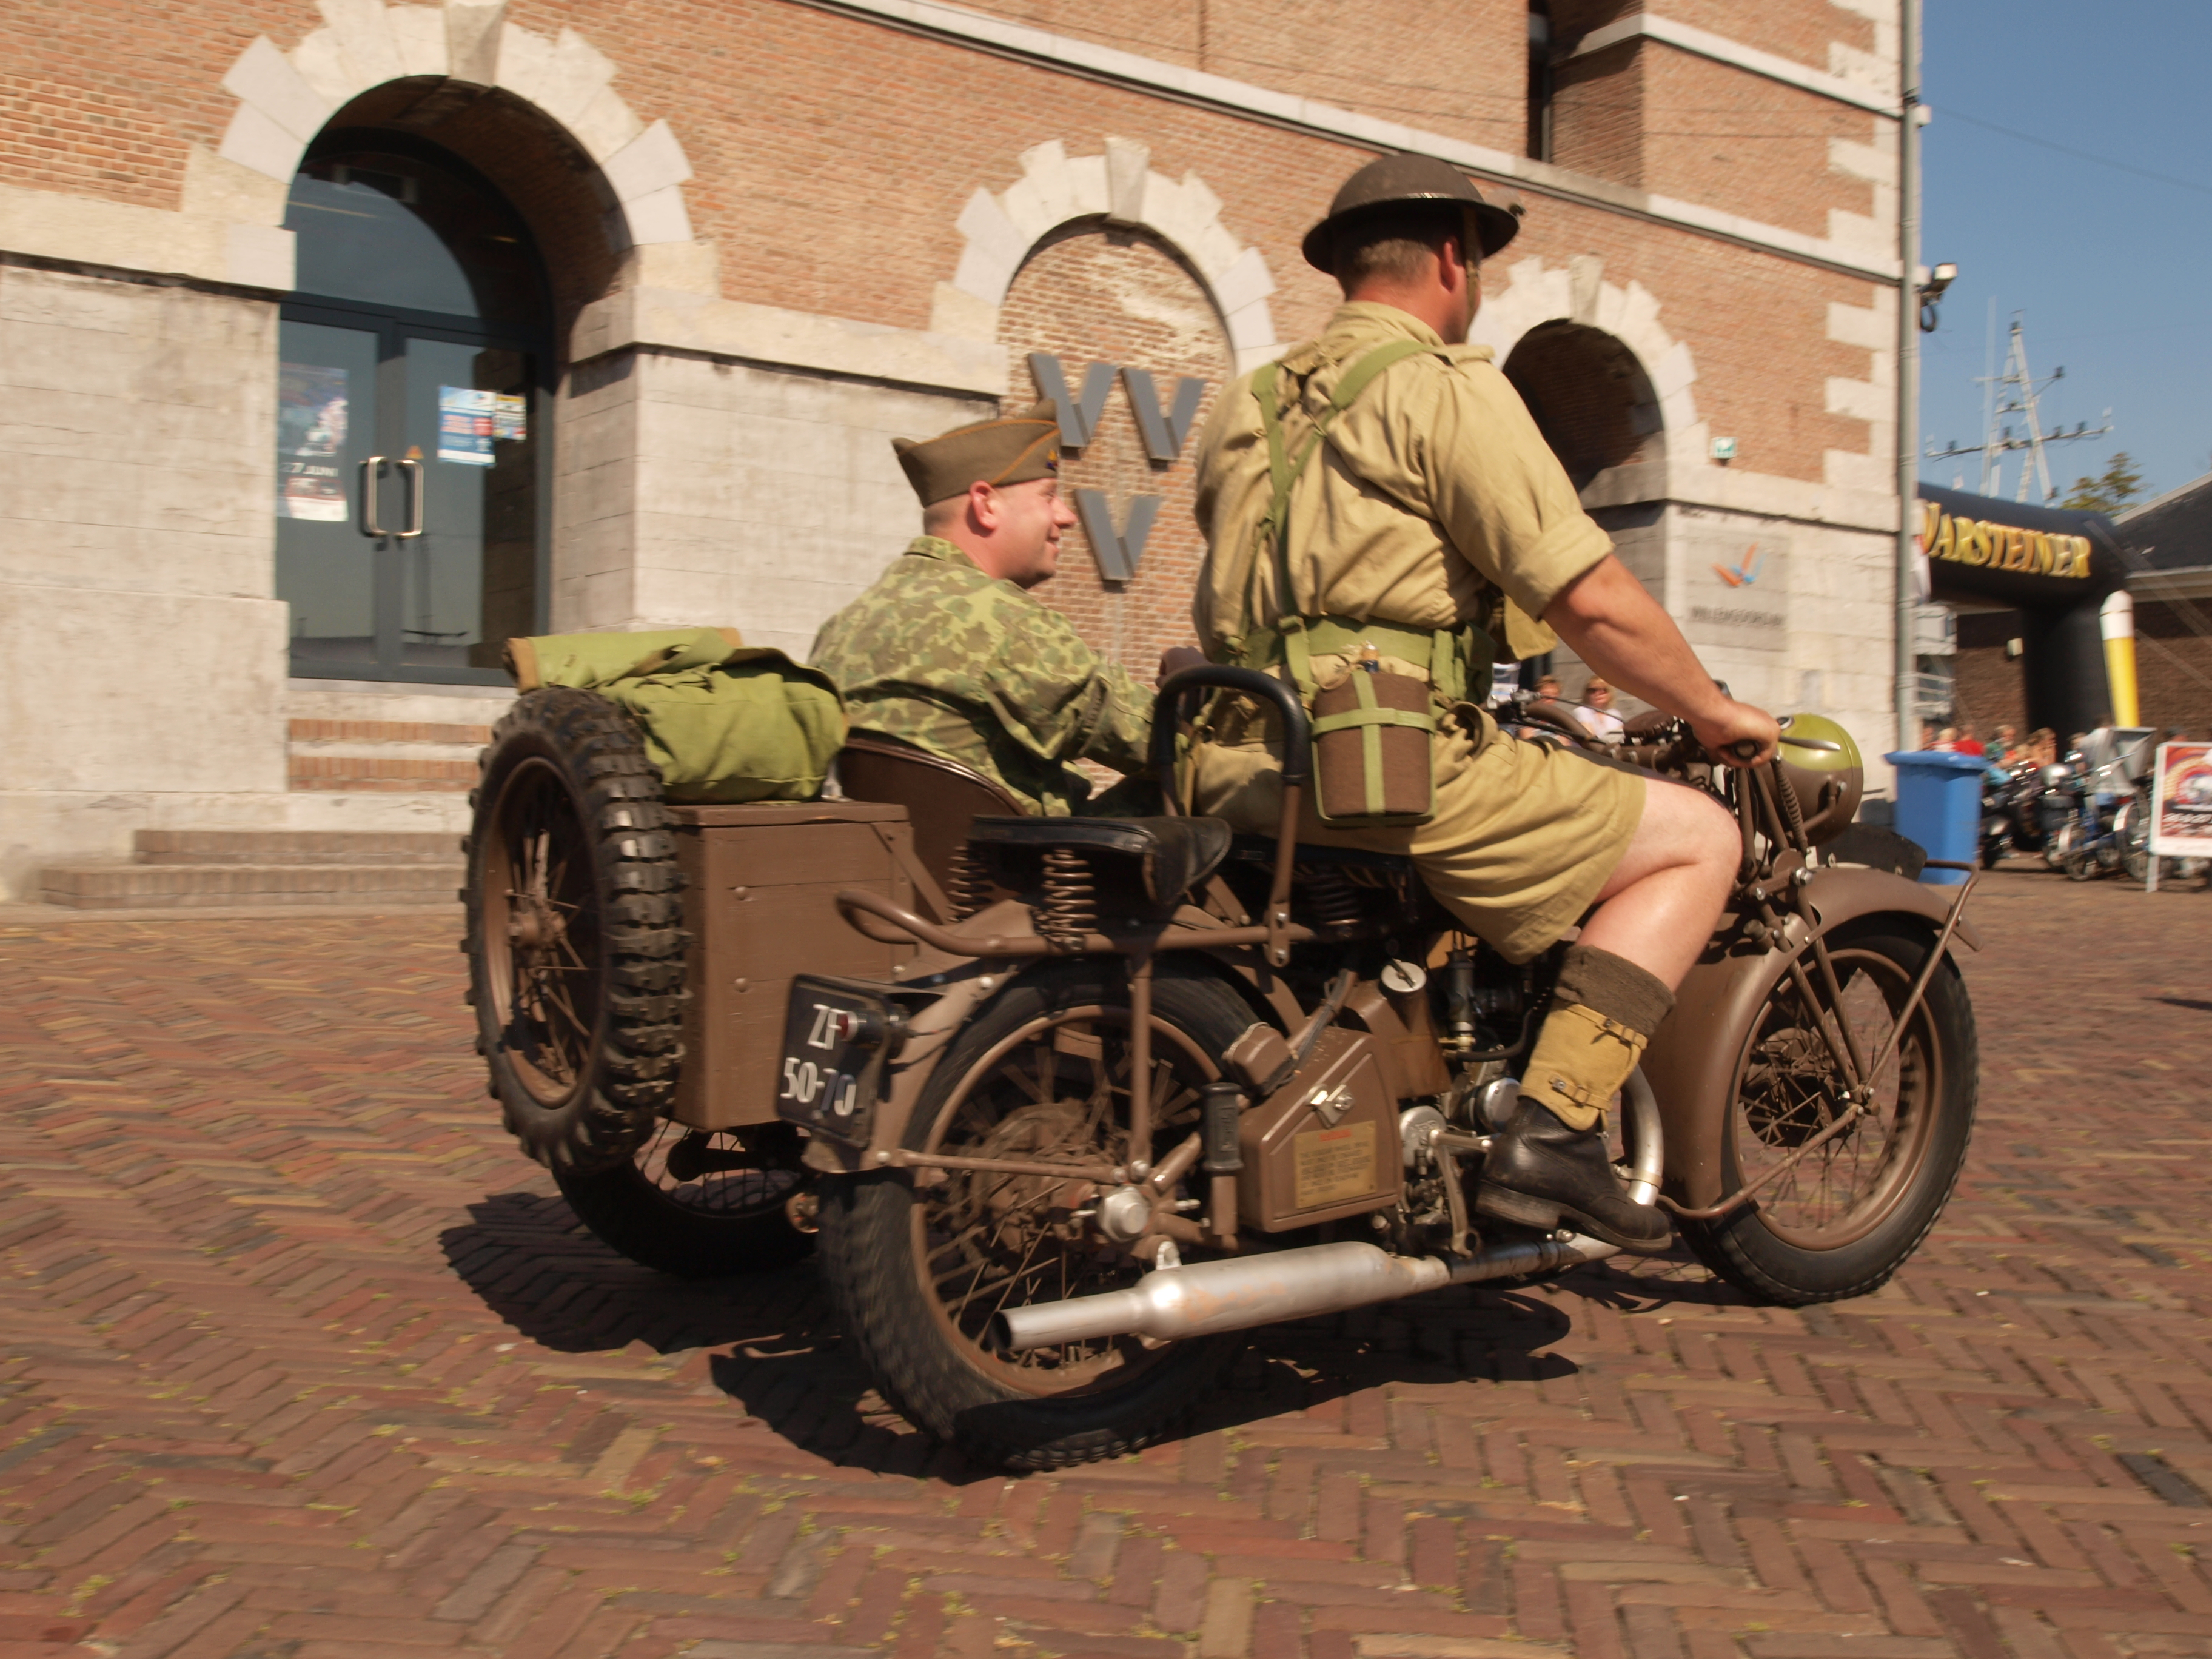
[1068, 1103]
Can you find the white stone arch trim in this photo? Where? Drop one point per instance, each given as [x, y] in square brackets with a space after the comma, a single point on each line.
[286, 97]
[1119, 186]
[1577, 292]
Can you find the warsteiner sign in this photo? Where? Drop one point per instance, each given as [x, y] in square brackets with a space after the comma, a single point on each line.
[1958, 540]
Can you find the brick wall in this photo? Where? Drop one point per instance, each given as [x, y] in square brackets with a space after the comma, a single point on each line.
[1093, 294]
[2173, 686]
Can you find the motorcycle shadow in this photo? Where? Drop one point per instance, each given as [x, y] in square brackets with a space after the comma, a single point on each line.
[779, 1356]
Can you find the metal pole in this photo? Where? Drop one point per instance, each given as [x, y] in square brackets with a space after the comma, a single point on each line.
[1908, 369]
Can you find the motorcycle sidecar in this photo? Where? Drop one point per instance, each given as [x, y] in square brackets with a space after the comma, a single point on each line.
[630, 960]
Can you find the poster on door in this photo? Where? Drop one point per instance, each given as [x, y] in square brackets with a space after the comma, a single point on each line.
[470, 422]
[2181, 807]
[310, 436]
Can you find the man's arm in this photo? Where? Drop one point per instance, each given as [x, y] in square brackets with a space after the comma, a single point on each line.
[1617, 628]
[1068, 702]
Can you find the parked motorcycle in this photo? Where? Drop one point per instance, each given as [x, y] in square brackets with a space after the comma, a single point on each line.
[1073, 1102]
[2109, 780]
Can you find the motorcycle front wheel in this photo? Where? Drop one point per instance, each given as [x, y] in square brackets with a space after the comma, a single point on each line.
[1841, 1220]
[918, 1270]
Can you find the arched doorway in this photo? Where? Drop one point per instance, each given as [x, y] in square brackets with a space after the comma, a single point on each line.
[1591, 399]
[412, 396]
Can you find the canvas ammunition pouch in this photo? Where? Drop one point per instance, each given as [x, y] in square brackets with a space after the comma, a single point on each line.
[724, 722]
[1372, 728]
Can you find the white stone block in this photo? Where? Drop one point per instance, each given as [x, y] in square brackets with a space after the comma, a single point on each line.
[1045, 167]
[1859, 326]
[262, 77]
[605, 126]
[1170, 213]
[1203, 204]
[524, 59]
[260, 256]
[218, 189]
[676, 267]
[1244, 282]
[958, 312]
[660, 216]
[472, 39]
[1857, 160]
[994, 251]
[1025, 210]
[1127, 162]
[652, 162]
[576, 74]
[1251, 329]
[1086, 186]
[254, 141]
[323, 64]
[366, 35]
[1674, 372]
[1639, 327]
[1841, 470]
[1217, 251]
[1858, 400]
[419, 34]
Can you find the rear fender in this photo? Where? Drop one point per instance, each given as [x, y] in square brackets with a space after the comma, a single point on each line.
[1692, 1059]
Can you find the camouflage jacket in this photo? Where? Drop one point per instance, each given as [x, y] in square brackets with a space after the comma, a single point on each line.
[940, 655]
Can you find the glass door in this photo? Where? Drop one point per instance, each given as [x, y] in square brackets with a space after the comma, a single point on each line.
[409, 498]
[326, 433]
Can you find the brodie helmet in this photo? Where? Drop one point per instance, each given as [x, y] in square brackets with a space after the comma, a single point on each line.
[1827, 782]
[1395, 180]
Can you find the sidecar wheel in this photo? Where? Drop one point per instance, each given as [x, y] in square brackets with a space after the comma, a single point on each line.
[574, 943]
[917, 1273]
[1850, 1213]
[719, 1215]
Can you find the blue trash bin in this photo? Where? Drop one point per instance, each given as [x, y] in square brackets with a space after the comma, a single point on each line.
[1939, 805]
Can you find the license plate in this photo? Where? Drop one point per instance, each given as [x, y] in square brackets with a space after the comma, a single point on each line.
[835, 1039]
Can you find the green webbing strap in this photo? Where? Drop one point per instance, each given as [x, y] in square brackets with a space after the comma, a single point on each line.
[1445, 660]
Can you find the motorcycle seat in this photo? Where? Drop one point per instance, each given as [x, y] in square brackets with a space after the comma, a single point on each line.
[1261, 850]
[1175, 854]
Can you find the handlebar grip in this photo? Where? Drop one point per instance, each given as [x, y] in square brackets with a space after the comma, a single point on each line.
[1167, 709]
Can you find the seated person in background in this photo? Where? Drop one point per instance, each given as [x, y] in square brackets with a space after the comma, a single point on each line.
[2004, 749]
[2043, 746]
[1967, 743]
[948, 651]
[1946, 741]
[1548, 686]
[1596, 713]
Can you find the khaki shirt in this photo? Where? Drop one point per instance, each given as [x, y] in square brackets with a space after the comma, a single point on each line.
[1431, 495]
[940, 655]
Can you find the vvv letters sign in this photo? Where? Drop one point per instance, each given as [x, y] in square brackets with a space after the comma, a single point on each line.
[1163, 426]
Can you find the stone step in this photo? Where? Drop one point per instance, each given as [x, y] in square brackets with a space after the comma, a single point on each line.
[293, 847]
[182, 886]
[413, 757]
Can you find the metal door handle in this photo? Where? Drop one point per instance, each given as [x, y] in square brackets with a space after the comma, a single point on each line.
[369, 469]
[416, 489]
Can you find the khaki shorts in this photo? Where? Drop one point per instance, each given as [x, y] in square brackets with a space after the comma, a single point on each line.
[1524, 837]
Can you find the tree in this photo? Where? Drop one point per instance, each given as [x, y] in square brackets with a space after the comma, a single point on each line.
[2120, 484]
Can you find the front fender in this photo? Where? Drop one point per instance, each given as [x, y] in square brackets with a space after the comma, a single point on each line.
[1692, 1058]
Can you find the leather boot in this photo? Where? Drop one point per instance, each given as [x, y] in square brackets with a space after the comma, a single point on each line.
[1539, 1173]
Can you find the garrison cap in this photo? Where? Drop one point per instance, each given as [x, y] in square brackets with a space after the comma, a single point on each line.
[1011, 450]
[1402, 180]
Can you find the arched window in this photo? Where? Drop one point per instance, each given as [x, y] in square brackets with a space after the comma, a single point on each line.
[411, 487]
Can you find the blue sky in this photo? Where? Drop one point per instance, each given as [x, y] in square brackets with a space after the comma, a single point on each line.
[2113, 271]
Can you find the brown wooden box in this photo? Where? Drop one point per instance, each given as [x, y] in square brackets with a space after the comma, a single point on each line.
[759, 899]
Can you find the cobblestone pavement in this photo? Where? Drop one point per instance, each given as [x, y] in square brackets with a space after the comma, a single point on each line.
[301, 1360]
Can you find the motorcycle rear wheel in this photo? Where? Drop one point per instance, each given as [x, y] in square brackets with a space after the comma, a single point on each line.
[1842, 1220]
[917, 1272]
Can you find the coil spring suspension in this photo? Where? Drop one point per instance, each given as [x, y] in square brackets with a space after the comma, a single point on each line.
[1071, 899]
[964, 884]
[1331, 899]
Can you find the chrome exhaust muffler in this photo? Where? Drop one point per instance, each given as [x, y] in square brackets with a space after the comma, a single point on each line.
[1206, 1297]
[1176, 1303]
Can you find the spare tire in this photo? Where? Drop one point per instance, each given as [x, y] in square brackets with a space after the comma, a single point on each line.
[575, 946]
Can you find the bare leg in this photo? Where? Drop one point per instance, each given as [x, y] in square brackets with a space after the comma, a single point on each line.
[1659, 908]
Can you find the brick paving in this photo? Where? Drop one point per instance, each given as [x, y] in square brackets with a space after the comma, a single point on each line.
[301, 1360]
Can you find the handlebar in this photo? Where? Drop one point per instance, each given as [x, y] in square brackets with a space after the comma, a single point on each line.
[1167, 710]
